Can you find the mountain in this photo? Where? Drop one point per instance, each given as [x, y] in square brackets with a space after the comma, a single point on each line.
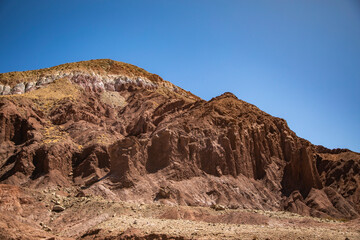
[108, 129]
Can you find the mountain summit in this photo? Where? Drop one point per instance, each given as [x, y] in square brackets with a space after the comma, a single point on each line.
[96, 75]
[109, 129]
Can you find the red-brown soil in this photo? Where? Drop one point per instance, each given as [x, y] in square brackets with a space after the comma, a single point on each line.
[95, 146]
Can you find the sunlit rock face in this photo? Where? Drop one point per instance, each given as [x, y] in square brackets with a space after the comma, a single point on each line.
[123, 133]
[89, 81]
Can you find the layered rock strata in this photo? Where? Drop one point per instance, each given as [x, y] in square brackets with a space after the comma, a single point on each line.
[128, 137]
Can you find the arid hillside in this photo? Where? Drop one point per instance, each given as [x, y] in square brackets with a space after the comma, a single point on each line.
[106, 150]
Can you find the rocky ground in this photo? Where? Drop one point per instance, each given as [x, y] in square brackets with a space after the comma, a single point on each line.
[67, 213]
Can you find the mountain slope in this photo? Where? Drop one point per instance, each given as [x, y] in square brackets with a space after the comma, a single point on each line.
[114, 130]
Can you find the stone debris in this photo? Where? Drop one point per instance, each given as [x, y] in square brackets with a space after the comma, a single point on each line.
[58, 208]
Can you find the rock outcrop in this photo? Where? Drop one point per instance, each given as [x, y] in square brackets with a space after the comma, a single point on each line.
[118, 131]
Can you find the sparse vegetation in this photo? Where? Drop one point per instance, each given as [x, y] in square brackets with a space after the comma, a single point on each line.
[113, 99]
[103, 139]
[53, 134]
[45, 98]
[100, 66]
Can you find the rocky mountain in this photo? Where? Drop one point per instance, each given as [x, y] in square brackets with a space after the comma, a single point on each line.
[113, 130]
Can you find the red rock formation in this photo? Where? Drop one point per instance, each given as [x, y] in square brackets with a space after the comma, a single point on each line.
[115, 134]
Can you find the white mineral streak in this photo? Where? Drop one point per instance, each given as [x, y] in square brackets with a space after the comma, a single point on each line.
[89, 81]
[6, 90]
[18, 89]
[30, 86]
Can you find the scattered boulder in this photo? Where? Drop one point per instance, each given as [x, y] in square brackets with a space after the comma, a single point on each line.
[45, 227]
[218, 207]
[80, 193]
[163, 193]
[58, 208]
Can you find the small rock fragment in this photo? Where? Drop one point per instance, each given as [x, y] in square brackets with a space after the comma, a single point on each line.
[58, 208]
[218, 207]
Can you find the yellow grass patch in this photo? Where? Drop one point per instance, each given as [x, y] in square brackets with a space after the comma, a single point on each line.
[113, 99]
[47, 97]
[53, 134]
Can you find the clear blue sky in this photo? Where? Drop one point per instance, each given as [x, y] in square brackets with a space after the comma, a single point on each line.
[298, 60]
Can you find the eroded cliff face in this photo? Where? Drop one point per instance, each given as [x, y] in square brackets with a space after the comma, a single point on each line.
[129, 137]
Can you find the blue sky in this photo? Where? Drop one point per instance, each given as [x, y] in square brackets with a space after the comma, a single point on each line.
[298, 60]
